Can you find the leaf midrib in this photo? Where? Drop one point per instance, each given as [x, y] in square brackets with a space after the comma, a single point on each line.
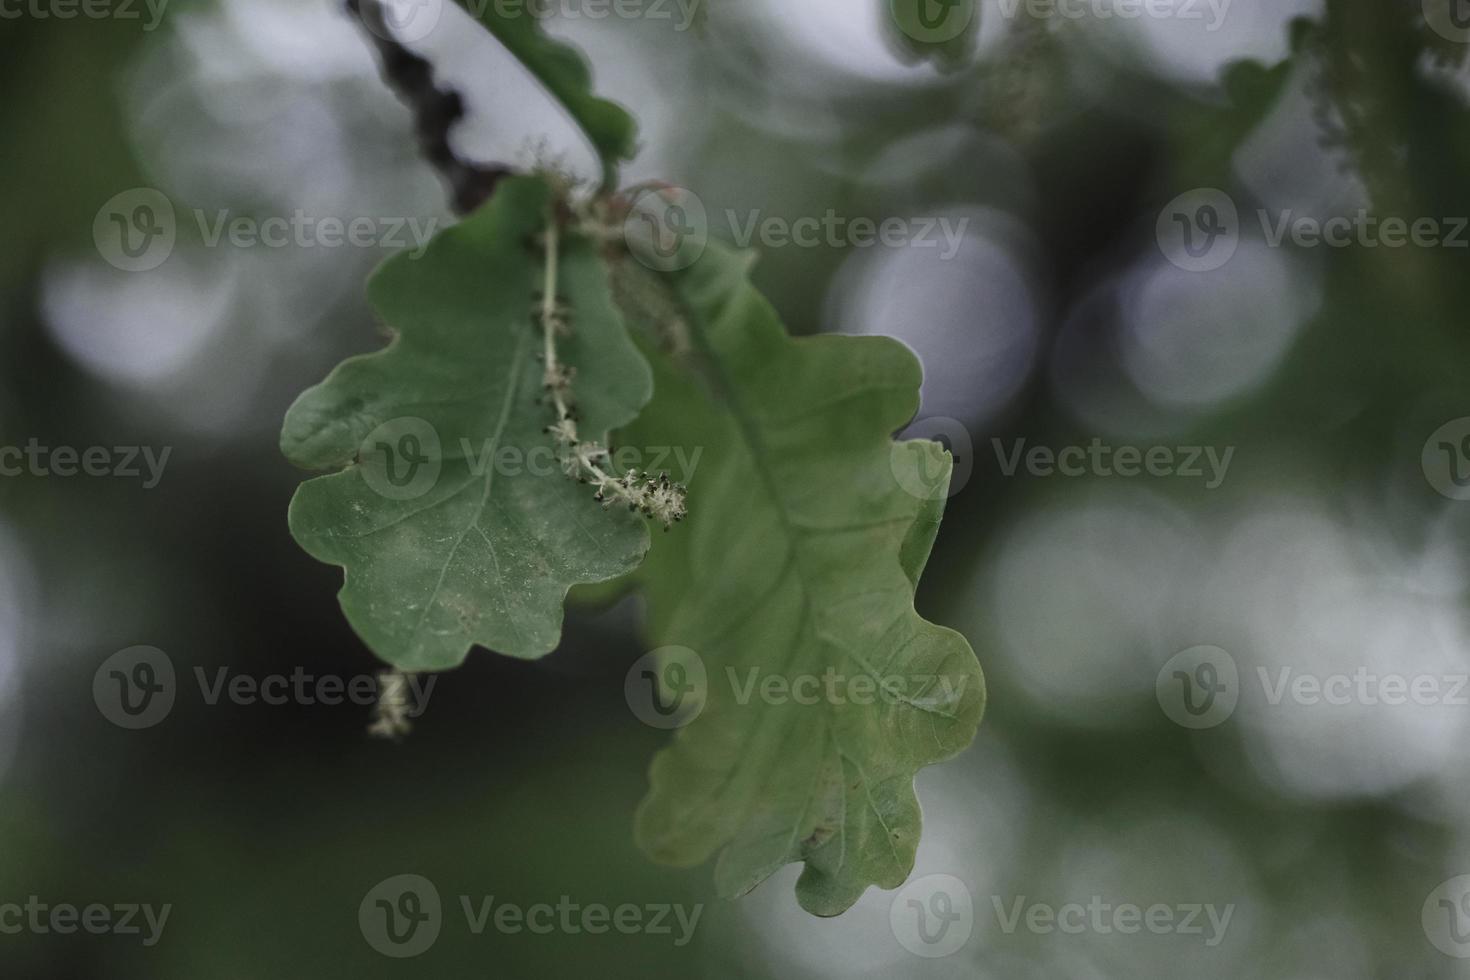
[796, 534]
[512, 386]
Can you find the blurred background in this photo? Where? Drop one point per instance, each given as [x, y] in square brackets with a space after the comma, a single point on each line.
[1061, 140]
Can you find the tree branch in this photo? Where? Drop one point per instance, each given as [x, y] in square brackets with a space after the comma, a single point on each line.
[435, 111]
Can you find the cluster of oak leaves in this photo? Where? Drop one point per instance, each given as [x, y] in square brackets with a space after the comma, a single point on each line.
[800, 555]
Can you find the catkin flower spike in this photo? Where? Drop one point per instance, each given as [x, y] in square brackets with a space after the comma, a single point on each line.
[390, 714]
[587, 461]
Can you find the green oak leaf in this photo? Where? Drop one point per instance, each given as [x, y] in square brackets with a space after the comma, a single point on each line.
[564, 72]
[808, 529]
[449, 512]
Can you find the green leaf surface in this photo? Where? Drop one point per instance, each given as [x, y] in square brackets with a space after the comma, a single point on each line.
[564, 72]
[808, 529]
[480, 540]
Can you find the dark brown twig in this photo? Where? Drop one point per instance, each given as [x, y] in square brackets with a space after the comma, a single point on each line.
[435, 111]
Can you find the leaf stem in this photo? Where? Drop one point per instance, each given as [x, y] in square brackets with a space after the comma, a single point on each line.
[586, 461]
[549, 316]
